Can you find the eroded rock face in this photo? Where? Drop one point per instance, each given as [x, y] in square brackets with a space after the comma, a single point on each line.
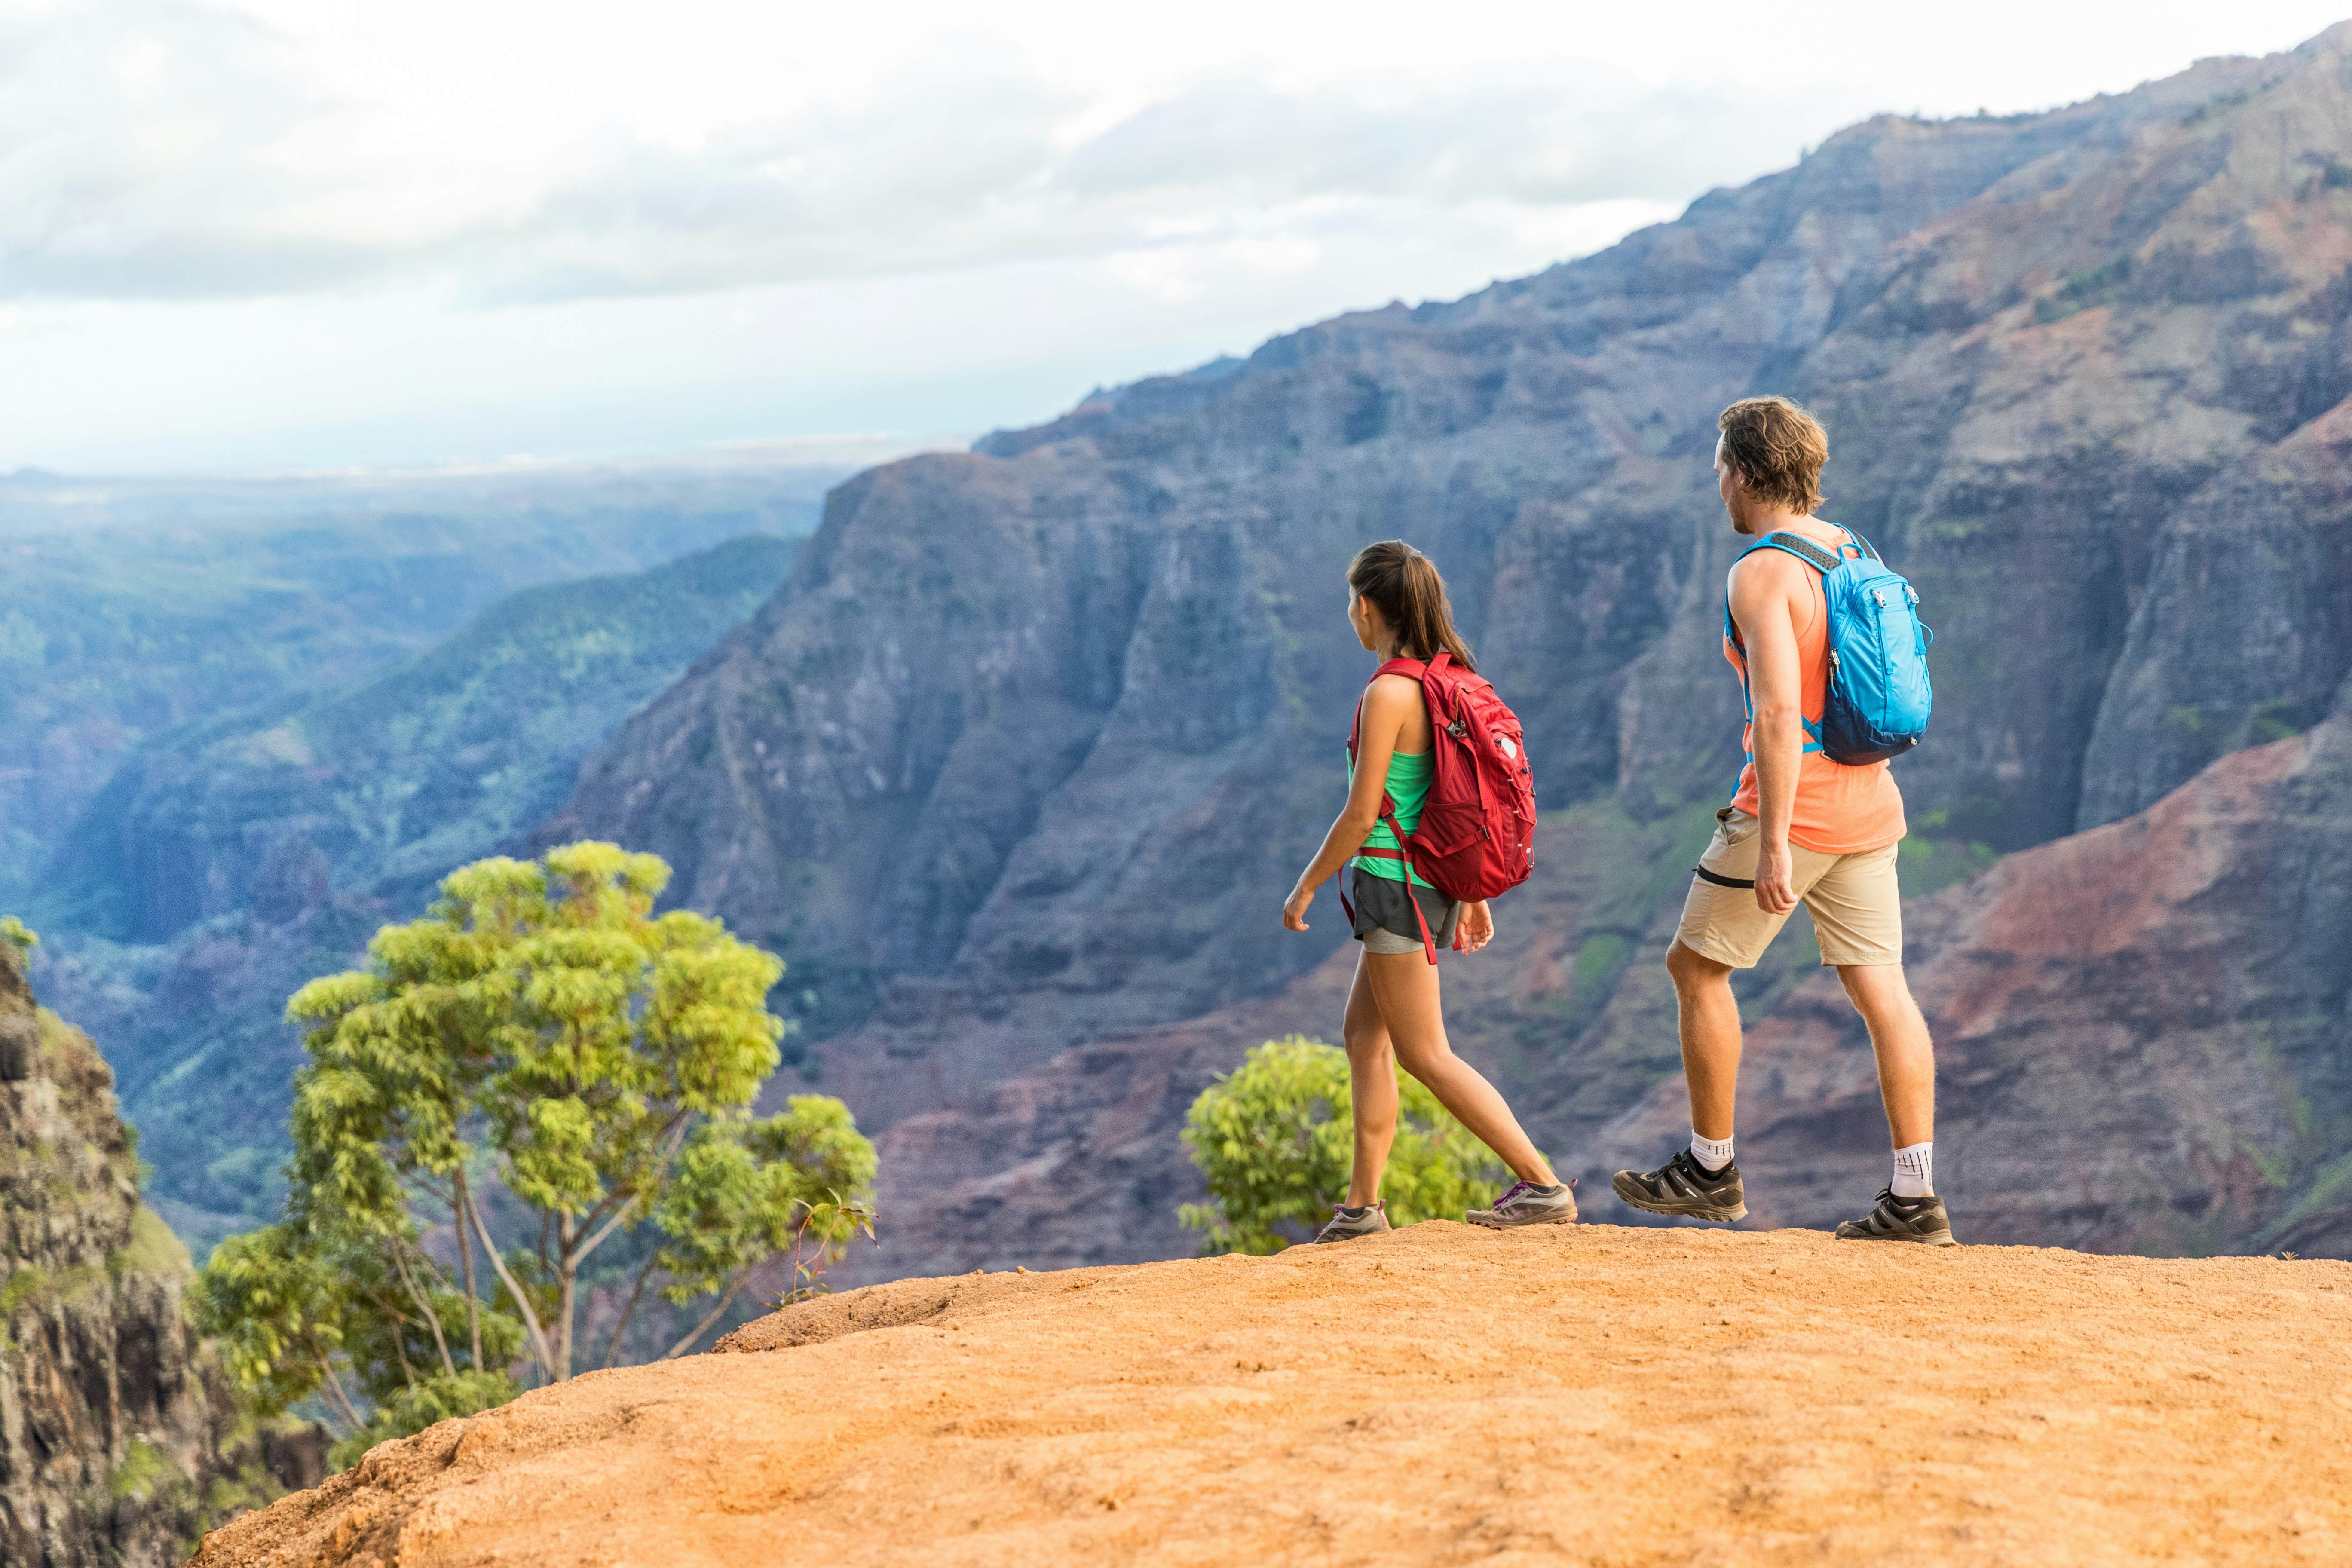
[1027, 753]
[2140, 1040]
[2140, 1034]
[119, 1437]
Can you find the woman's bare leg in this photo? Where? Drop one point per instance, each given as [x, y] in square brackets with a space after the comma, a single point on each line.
[1405, 985]
[1372, 1089]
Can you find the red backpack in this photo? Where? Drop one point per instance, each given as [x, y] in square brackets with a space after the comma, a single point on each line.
[1477, 834]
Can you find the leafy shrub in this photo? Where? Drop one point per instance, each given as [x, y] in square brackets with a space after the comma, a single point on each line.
[540, 1054]
[2080, 292]
[1275, 1138]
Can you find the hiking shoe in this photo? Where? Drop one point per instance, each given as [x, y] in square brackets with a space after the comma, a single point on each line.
[1683, 1186]
[1527, 1204]
[1348, 1224]
[1901, 1219]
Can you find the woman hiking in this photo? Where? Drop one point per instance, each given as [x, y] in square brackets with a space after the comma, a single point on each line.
[1397, 604]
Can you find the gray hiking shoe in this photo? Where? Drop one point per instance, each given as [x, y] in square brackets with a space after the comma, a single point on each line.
[1348, 1224]
[1902, 1219]
[1527, 1204]
[1683, 1186]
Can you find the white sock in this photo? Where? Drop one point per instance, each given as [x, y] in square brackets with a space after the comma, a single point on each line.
[1914, 1171]
[1712, 1154]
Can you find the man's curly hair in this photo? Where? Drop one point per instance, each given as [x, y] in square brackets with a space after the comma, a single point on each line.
[1779, 448]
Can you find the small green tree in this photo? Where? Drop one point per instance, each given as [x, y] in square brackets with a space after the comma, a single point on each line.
[542, 1032]
[1276, 1139]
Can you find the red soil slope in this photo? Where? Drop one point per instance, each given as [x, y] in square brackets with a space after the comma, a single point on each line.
[1582, 1394]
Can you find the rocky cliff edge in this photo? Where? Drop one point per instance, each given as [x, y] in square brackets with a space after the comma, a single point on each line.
[119, 1437]
[1436, 1395]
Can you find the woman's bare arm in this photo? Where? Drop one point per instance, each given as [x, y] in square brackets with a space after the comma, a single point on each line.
[1388, 702]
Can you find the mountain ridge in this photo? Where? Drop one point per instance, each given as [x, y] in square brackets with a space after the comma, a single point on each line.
[1023, 758]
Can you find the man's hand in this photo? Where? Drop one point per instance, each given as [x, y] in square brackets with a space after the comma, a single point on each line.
[1294, 909]
[1776, 892]
[1476, 929]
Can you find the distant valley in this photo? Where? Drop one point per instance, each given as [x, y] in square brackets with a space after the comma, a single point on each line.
[243, 744]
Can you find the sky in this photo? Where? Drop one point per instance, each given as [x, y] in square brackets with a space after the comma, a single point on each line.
[294, 235]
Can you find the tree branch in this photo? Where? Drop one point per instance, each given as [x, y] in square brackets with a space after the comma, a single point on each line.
[465, 1261]
[522, 1303]
[612, 1351]
[432, 1318]
[332, 1386]
[671, 1136]
[597, 1241]
[715, 1312]
[566, 1280]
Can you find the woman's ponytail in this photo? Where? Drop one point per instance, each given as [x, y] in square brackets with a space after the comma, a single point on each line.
[1403, 584]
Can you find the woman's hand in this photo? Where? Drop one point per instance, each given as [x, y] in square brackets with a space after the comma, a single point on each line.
[1476, 929]
[1294, 909]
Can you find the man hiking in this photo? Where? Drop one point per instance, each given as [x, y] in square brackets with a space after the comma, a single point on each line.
[1800, 828]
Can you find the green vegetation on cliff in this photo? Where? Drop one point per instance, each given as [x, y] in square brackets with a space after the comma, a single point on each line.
[123, 1439]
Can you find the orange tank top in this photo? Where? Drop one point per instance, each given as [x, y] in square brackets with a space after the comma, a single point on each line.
[1839, 810]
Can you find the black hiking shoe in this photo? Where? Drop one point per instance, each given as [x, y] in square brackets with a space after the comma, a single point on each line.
[1901, 1219]
[1683, 1186]
[1348, 1224]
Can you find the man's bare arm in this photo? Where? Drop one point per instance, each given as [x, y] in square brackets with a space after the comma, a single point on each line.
[1763, 603]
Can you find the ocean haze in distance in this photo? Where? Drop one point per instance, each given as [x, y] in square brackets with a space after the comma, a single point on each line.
[274, 236]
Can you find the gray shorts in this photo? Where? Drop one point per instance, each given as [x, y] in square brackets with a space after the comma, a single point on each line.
[1384, 920]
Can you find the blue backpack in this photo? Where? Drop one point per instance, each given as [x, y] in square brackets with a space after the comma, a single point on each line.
[1879, 695]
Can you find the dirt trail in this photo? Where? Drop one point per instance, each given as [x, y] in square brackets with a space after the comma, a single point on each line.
[1574, 1395]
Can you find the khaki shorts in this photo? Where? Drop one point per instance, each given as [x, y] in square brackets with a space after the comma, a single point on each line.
[1856, 906]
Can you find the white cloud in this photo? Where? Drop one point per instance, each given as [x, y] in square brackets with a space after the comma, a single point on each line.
[263, 231]
[161, 150]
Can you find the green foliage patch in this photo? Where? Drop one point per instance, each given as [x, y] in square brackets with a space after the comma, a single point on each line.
[540, 1054]
[2080, 292]
[1276, 1139]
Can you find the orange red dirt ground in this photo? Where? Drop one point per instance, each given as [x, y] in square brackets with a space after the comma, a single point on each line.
[1585, 1395]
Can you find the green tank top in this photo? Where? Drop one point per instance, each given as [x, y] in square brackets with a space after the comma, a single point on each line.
[1408, 788]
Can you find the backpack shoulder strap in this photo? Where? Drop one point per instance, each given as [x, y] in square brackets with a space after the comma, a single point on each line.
[1803, 549]
[1411, 667]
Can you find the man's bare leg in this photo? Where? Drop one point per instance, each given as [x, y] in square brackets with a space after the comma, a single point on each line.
[1693, 1184]
[1899, 1037]
[1709, 1019]
[1909, 1209]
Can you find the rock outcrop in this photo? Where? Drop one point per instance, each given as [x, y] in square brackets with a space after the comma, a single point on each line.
[1023, 758]
[1436, 1395]
[119, 1437]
